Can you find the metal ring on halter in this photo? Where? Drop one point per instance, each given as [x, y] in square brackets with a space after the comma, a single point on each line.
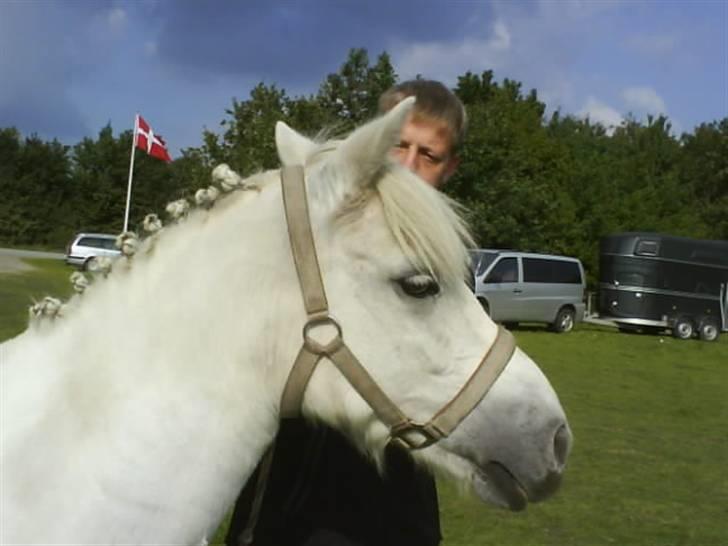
[429, 434]
[314, 346]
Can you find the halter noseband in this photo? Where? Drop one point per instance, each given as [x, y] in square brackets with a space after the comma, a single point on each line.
[402, 429]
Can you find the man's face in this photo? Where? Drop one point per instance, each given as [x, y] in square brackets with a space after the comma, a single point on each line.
[425, 148]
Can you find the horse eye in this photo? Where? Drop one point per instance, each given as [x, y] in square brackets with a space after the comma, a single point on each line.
[419, 286]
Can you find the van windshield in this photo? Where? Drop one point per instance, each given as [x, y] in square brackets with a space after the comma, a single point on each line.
[482, 260]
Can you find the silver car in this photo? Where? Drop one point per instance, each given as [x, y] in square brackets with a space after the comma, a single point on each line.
[523, 287]
[84, 247]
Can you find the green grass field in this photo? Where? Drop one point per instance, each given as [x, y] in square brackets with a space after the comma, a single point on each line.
[650, 421]
[19, 290]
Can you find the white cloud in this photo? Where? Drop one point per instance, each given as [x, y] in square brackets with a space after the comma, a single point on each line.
[576, 9]
[644, 100]
[653, 44]
[447, 60]
[501, 40]
[116, 19]
[600, 112]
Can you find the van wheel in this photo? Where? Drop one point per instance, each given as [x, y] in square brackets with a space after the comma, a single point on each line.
[708, 330]
[564, 320]
[683, 328]
[485, 306]
[87, 264]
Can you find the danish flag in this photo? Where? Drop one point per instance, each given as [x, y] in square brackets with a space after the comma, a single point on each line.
[153, 144]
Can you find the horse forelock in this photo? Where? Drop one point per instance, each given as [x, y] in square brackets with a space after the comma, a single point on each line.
[427, 225]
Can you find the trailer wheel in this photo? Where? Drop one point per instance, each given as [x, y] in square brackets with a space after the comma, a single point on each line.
[683, 328]
[708, 330]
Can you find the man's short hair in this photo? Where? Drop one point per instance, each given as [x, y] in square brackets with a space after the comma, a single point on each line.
[434, 101]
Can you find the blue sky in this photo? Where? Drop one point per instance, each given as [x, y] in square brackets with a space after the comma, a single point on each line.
[68, 68]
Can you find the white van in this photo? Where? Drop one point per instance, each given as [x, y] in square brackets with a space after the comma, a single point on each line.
[522, 287]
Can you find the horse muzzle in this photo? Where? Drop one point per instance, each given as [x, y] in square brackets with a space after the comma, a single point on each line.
[496, 483]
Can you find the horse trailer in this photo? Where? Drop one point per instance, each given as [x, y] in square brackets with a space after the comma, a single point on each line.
[654, 282]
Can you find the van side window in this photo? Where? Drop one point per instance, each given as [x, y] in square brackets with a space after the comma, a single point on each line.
[537, 270]
[551, 271]
[505, 270]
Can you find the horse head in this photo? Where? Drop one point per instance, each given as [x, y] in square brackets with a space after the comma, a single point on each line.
[393, 259]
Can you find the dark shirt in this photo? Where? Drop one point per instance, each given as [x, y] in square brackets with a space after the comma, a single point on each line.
[322, 491]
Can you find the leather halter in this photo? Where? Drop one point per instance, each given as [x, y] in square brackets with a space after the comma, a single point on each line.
[402, 429]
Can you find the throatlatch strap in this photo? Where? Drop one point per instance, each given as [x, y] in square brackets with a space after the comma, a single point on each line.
[246, 537]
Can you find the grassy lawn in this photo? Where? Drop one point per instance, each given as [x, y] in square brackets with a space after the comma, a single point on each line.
[649, 416]
[19, 290]
[650, 420]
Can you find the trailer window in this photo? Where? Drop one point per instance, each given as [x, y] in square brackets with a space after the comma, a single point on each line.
[647, 248]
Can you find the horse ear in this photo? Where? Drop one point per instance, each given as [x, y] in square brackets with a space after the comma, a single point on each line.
[293, 148]
[368, 148]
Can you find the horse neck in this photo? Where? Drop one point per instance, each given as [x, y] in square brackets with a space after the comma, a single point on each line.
[202, 365]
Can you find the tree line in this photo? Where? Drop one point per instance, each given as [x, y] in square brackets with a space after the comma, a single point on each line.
[528, 181]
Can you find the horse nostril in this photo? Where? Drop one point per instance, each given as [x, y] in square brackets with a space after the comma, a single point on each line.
[562, 445]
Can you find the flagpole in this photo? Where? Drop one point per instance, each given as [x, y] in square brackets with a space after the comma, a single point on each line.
[131, 172]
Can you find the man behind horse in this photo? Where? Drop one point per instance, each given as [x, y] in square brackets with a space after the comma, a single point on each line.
[322, 491]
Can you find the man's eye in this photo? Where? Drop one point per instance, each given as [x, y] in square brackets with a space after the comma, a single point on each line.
[419, 286]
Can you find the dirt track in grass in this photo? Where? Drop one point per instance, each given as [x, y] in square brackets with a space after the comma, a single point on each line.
[13, 264]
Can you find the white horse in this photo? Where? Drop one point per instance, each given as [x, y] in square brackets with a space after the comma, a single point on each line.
[136, 417]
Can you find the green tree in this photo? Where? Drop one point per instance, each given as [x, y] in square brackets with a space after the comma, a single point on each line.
[248, 143]
[37, 190]
[704, 169]
[101, 171]
[350, 96]
[344, 100]
[510, 175]
[649, 196]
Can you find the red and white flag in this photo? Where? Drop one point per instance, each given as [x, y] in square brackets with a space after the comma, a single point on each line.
[153, 144]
